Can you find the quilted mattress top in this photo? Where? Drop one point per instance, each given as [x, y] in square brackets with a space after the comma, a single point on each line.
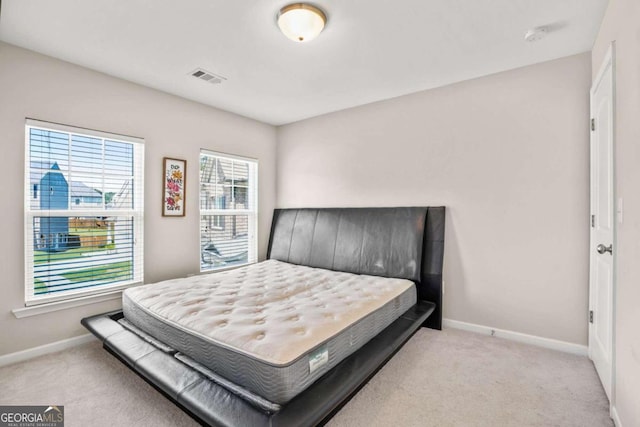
[256, 309]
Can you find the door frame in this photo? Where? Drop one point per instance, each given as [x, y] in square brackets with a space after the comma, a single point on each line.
[607, 61]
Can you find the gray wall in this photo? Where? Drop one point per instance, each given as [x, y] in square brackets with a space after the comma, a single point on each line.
[36, 86]
[508, 155]
[622, 25]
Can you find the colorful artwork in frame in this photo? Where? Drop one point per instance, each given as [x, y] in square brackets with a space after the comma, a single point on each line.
[174, 187]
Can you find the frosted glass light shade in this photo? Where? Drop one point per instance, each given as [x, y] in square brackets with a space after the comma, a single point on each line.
[301, 22]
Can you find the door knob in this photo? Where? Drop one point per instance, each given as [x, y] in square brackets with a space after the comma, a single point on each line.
[602, 249]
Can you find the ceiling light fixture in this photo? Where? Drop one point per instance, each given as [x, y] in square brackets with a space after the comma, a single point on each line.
[301, 22]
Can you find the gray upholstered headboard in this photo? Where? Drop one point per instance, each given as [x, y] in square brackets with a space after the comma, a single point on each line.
[403, 242]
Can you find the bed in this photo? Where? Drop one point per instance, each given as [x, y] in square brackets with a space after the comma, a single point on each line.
[340, 292]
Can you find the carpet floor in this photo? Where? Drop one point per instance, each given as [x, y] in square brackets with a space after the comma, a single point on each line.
[439, 378]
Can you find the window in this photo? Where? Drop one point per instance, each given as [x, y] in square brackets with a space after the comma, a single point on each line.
[83, 211]
[228, 210]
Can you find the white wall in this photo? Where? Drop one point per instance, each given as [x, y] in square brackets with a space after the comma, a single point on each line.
[36, 86]
[508, 155]
[622, 25]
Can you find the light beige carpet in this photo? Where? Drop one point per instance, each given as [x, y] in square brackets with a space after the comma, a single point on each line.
[439, 378]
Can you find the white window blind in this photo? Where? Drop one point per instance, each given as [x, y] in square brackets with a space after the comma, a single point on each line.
[228, 210]
[83, 211]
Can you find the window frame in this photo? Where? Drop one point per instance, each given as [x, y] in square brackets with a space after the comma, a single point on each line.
[252, 250]
[136, 212]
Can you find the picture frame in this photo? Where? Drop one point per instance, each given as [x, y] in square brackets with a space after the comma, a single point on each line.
[174, 187]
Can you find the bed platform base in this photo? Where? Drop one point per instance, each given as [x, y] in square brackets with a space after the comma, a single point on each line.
[402, 242]
[211, 404]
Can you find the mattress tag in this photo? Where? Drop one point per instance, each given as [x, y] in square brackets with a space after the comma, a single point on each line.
[318, 359]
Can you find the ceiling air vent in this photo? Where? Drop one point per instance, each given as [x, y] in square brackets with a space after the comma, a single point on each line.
[208, 76]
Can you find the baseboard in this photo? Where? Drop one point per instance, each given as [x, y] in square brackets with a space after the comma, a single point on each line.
[614, 417]
[20, 356]
[567, 347]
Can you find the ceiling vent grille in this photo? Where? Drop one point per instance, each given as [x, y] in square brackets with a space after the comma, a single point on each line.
[207, 76]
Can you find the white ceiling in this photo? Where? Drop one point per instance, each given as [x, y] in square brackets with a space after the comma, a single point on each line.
[370, 49]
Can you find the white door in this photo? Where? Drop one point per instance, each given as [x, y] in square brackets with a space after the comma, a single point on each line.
[602, 248]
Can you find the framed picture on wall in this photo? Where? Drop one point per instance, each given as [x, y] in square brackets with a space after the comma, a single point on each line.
[174, 187]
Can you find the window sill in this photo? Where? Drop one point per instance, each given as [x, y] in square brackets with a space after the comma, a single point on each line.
[221, 269]
[65, 304]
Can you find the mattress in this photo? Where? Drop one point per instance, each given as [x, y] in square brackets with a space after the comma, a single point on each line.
[272, 328]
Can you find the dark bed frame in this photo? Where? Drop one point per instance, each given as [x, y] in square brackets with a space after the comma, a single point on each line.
[392, 242]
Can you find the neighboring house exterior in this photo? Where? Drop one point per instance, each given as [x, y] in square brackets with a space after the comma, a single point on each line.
[80, 195]
[226, 193]
[224, 184]
[84, 196]
[51, 191]
[52, 233]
